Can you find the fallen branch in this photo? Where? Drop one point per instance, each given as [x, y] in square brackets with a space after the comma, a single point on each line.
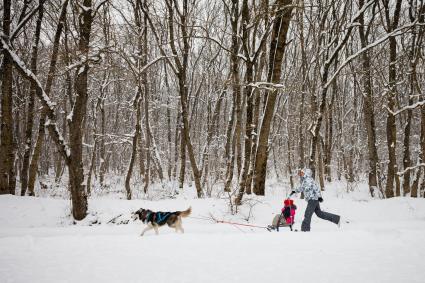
[113, 220]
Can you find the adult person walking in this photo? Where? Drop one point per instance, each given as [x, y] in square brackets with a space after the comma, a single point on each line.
[313, 197]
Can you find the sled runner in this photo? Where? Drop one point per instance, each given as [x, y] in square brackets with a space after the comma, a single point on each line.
[286, 218]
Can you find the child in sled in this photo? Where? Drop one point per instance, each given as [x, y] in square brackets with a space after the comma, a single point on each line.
[286, 217]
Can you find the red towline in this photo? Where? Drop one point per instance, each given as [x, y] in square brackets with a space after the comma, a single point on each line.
[240, 224]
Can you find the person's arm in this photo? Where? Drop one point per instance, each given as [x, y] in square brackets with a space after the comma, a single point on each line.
[299, 189]
[318, 192]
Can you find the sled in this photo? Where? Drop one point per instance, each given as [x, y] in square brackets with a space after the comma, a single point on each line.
[285, 218]
[278, 221]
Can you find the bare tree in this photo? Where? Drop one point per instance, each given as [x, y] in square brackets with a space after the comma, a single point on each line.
[391, 23]
[52, 68]
[7, 146]
[276, 53]
[30, 111]
[369, 117]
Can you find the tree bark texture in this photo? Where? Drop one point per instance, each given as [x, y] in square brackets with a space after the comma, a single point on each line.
[7, 145]
[277, 50]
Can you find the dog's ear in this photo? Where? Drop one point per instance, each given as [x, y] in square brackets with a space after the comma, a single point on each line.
[135, 214]
[139, 213]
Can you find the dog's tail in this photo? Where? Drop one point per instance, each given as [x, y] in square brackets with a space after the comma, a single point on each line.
[186, 212]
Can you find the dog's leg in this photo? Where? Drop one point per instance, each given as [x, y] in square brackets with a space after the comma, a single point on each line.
[179, 225]
[156, 228]
[147, 228]
[176, 227]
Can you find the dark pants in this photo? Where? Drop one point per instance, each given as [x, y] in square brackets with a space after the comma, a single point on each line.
[313, 206]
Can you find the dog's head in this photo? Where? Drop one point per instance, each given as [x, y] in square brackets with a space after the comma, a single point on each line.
[140, 214]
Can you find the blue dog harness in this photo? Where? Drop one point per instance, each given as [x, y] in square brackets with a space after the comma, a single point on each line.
[159, 217]
[162, 217]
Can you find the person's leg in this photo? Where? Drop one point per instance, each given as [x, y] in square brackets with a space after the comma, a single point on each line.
[326, 215]
[311, 207]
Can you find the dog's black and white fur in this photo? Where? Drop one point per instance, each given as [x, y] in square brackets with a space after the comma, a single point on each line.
[154, 220]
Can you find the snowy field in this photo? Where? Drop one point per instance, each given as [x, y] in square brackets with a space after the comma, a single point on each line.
[383, 241]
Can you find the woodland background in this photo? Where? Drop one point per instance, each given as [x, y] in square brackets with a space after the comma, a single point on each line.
[222, 93]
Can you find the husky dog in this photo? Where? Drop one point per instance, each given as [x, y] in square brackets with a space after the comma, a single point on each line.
[157, 219]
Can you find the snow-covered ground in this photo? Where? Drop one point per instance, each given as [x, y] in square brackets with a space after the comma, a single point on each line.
[383, 241]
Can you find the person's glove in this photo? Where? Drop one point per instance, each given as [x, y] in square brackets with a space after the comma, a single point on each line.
[320, 199]
[293, 192]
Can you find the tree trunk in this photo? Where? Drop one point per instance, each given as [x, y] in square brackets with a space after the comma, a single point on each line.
[76, 167]
[95, 146]
[291, 178]
[181, 72]
[30, 111]
[406, 149]
[136, 103]
[77, 197]
[415, 185]
[318, 122]
[422, 141]
[144, 78]
[321, 169]
[169, 134]
[304, 63]
[178, 138]
[229, 147]
[236, 108]
[103, 163]
[186, 135]
[248, 93]
[368, 112]
[414, 49]
[256, 117]
[92, 164]
[333, 39]
[391, 100]
[277, 50]
[351, 153]
[422, 115]
[212, 126]
[7, 146]
[327, 149]
[32, 174]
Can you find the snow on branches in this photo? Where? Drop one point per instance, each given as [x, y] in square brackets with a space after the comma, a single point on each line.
[48, 105]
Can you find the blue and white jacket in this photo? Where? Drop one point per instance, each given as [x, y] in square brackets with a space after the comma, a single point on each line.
[309, 187]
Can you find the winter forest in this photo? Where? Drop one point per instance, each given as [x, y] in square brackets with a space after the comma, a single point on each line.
[211, 102]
